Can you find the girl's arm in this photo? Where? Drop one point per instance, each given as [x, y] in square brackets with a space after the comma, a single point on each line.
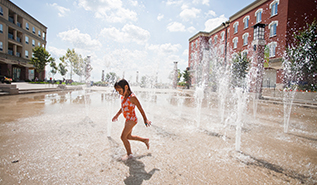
[136, 102]
[117, 115]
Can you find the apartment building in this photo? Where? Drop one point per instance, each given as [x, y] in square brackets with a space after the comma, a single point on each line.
[280, 18]
[19, 34]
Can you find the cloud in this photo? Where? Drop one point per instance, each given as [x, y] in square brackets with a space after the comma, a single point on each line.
[214, 23]
[110, 10]
[79, 40]
[56, 52]
[175, 27]
[160, 17]
[165, 49]
[191, 29]
[204, 2]
[188, 14]
[62, 10]
[129, 33]
[211, 13]
[174, 2]
[185, 52]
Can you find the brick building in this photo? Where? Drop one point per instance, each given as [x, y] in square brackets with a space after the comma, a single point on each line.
[19, 34]
[281, 19]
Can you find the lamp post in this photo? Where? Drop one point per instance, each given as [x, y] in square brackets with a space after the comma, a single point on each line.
[258, 59]
[226, 24]
[175, 75]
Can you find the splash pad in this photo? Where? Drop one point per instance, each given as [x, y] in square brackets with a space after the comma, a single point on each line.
[54, 144]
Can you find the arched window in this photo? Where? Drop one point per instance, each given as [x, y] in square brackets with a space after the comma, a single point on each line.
[246, 22]
[273, 7]
[272, 26]
[258, 15]
[235, 42]
[245, 38]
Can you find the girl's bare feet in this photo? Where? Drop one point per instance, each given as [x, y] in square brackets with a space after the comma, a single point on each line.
[126, 157]
[146, 142]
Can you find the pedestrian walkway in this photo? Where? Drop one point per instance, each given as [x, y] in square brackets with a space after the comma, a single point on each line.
[24, 88]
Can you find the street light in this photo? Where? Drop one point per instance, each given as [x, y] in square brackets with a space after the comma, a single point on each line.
[258, 34]
[226, 24]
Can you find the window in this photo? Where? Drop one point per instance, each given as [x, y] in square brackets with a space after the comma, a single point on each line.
[222, 49]
[27, 39]
[222, 36]
[210, 41]
[1, 46]
[235, 27]
[39, 44]
[258, 15]
[27, 26]
[246, 22]
[43, 36]
[39, 33]
[33, 42]
[235, 42]
[272, 48]
[192, 44]
[33, 30]
[1, 10]
[245, 53]
[272, 27]
[216, 38]
[26, 54]
[245, 38]
[196, 43]
[1, 28]
[273, 7]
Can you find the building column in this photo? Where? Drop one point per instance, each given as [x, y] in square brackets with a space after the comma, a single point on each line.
[257, 68]
[15, 17]
[9, 70]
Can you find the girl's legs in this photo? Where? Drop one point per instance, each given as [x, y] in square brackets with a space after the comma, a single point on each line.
[126, 136]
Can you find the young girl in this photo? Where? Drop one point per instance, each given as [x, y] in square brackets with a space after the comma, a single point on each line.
[128, 103]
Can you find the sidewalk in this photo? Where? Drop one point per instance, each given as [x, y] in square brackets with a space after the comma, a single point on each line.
[24, 88]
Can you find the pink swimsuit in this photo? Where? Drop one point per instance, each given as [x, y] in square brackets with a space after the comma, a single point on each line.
[128, 108]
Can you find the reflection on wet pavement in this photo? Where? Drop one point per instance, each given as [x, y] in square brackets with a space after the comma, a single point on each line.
[68, 138]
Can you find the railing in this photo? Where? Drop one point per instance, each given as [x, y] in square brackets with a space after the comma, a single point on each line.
[10, 52]
[10, 36]
[11, 19]
[18, 39]
[18, 54]
[19, 24]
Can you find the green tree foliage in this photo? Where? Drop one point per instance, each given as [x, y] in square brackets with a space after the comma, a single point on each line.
[54, 68]
[70, 59]
[111, 77]
[40, 58]
[303, 56]
[186, 78]
[79, 66]
[240, 66]
[62, 69]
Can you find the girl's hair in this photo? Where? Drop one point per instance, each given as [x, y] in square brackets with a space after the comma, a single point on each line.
[122, 83]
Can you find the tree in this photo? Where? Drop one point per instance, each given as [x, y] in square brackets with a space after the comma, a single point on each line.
[54, 68]
[62, 69]
[303, 57]
[40, 58]
[111, 77]
[70, 59]
[240, 66]
[79, 66]
[186, 78]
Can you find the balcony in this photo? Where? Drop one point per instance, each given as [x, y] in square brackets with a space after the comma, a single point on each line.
[18, 54]
[11, 19]
[10, 36]
[18, 39]
[10, 52]
[19, 24]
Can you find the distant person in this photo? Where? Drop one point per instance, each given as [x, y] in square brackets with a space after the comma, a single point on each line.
[128, 103]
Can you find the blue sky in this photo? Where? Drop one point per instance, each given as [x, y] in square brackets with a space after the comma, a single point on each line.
[125, 36]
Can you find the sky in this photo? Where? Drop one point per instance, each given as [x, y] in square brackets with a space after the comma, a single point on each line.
[128, 36]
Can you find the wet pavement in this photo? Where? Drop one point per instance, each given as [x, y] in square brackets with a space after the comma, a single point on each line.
[67, 137]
